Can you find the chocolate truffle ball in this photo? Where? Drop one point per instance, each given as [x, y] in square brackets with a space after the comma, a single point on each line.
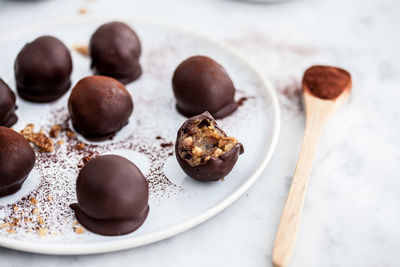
[43, 69]
[7, 105]
[204, 151]
[201, 84]
[99, 107]
[112, 196]
[16, 161]
[115, 50]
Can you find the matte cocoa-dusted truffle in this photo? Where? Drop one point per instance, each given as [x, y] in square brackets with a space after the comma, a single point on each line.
[204, 151]
[115, 50]
[112, 196]
[99, 107]
[43, 69]
[200, 84]
[7, 105]
[17, 159]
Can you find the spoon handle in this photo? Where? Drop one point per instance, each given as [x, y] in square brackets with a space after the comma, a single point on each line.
[289, 225]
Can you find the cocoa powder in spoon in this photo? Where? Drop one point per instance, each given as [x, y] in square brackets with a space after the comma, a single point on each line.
[326, 82]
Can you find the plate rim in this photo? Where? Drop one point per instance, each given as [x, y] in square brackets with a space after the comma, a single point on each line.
[137, 241]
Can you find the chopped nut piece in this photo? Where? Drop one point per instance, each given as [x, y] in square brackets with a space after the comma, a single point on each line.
[79, 146]
[5, 225]
[55, 130]
[33, 200]
[217, 153]
[188, 141]
[35, 211]
[15, 222]
[79, 230]
[40, 220]
[70, 133]
[10, 230]
[39, 139]
[75, 223]
[26, 219]
[28, 129]
[42, 232]
[82, 10]
[197, 151]
[82, 49]
[50, 198]
[60, 142]
[15, 208]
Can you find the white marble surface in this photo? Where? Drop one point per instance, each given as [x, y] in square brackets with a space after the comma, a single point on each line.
[352, 211]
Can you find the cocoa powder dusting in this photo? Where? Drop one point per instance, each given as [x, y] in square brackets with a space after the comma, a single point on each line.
[45, 211]
[290, 94]
[326, 82]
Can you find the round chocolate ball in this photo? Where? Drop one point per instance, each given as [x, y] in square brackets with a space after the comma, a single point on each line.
[201, 84]
[7, 105]
[115, 50]
[99, 107]
[16, 161]
[112, 196]
[203, 149]
[43, 69]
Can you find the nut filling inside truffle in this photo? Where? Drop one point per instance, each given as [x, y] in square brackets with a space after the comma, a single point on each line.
[202, 141]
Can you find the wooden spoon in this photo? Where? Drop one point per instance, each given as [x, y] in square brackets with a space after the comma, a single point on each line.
[318, 110]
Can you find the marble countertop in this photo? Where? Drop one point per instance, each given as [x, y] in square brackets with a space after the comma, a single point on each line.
[351, 215]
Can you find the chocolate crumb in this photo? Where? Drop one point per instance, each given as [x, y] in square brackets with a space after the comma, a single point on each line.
[241, 101]
[164, 145]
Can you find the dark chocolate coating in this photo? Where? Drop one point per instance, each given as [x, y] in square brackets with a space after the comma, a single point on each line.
[43, 69]
[115, 50]
[7, 105]
[17, 159]
[112, 196]
[200, 84]
[213, 169]
[99, 107]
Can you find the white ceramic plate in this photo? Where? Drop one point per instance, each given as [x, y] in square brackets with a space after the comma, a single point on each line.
[177, 202]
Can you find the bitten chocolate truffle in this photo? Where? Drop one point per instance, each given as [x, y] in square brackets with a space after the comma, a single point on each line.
[16, 161]
[99, 107]
[43, 69]
[201, 84]
[112, 196]
[7, 105]
[115, 50]
[204, 151]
